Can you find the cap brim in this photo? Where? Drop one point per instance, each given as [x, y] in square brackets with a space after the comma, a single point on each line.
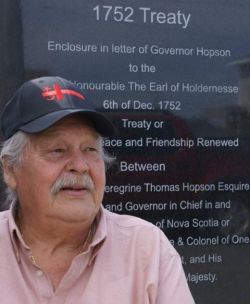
[103, 126]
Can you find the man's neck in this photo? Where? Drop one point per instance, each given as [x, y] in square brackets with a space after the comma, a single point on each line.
[54, 235]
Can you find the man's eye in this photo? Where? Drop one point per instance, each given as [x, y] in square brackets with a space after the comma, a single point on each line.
[90, 149]
[58, 151]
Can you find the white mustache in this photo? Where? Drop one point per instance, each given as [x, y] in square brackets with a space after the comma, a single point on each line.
[71, 180]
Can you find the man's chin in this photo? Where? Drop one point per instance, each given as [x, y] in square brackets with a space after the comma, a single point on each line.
[77, 210]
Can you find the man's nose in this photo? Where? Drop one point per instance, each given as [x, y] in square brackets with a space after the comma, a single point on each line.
[77, 163]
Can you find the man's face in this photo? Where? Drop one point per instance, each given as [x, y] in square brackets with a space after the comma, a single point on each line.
[69, 149]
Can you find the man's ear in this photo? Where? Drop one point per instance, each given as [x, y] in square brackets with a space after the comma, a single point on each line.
[9, 174]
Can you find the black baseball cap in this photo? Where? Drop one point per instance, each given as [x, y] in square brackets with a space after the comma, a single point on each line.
[41, 102]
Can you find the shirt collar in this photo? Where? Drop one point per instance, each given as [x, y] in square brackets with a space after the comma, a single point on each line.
[100, 234]
[14, 231]
[101, 229]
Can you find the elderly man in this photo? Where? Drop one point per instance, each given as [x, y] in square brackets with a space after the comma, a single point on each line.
[57, 243]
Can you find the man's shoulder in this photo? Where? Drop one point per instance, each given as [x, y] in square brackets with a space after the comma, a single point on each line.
[4, 215]
[132, 225]
[4, 219]
[145, 234]
[127, 221]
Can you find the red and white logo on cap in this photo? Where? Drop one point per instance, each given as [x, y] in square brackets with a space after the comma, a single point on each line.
[57, 93]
